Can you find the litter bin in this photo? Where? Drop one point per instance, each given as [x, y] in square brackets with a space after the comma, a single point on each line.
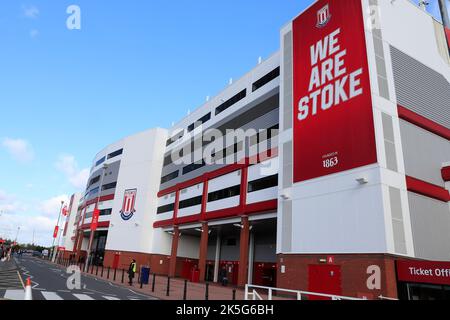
[195, 276]
[145, 275]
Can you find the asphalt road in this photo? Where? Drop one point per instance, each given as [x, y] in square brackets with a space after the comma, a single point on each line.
[49, 282]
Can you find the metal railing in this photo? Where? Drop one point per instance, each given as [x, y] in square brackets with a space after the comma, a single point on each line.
[251, 293]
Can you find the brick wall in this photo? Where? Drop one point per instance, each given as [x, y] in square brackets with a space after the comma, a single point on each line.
[354, 274]
[159, 264]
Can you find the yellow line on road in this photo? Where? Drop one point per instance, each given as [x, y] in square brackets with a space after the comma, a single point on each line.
[21, 280]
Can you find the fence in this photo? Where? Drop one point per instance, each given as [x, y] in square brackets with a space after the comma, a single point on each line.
[251, 293]
[159, 286]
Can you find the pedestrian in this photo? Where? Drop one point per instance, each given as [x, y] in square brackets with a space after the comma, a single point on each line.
[223, 276]
[131, 271]
[8, 256]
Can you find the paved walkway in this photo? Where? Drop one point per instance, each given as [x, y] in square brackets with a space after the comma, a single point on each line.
[195, 291]
[9, 276]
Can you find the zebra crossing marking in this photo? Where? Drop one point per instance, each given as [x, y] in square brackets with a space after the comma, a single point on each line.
[51, 296]
[82, 296]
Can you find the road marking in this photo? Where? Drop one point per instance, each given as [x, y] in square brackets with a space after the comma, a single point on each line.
[136, 293]
[21, 280]
[110, 298]
[51, 296]
[82, 297]
[15, 294]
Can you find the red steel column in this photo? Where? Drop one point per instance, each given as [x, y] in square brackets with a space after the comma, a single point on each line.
[176, 206]
[204, 199]
[80, 242]
[244, 187]
[243, 252]
[173, 256]
[203, 251]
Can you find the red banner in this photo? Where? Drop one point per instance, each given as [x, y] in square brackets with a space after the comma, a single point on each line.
[95, 216]
[424, 272]
[55, 232]
[333, 116]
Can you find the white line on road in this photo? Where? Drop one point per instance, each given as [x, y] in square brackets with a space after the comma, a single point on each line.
[15, 294]
[82, 297]
[51, 296]
[110, 298]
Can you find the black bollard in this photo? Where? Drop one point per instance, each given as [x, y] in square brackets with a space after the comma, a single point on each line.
[207, 292]
[96, 271]
[234, 294]
[92, 269]
[101, 275]
[154, 282]
[185, 290]
[109, 268]
[168, 287]
[123, 274]
[115, 271]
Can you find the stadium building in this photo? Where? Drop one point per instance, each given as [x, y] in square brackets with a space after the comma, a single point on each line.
[325, 167]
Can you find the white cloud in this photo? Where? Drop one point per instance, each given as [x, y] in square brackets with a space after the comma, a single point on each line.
[40, 221]
[51, 207]
[19, 149]
[69, 166]
[9, 203]
[30, 11]
[41, 226]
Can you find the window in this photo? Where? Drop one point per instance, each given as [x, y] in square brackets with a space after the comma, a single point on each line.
[166, 208]
[104, 212]
[264, 183]
[191, 202]
[91, 193]
[193, 167]
[205, 118]
[224, 106]
[109, 186]
[227, 152]
[169, 177]
[224, 193]
[94, 181]
[260, 137]
[115, 154]
[174, 138]
[199, 122]
[99, 162]
[266, 79]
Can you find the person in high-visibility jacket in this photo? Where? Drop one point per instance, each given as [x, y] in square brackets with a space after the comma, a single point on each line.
[131, 271]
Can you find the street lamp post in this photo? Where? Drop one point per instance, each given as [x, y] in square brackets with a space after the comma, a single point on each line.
[17, 235]
[91, 237]
[54, 238]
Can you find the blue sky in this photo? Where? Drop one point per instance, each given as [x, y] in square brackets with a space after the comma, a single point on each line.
[135, 64]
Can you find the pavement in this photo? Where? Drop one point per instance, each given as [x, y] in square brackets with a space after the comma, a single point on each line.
[195, 291]
[9, 276]
[50, 282]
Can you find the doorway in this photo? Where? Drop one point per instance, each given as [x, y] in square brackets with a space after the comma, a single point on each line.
[324, 279]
